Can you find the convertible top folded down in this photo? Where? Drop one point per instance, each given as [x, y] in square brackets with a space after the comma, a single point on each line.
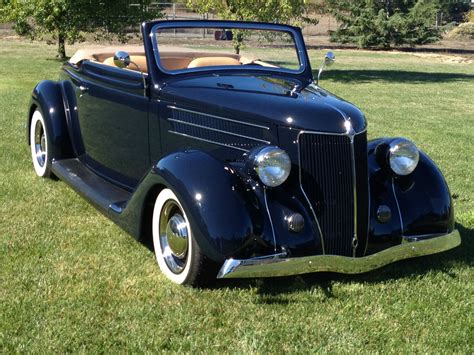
[99, 54]
[172, 58]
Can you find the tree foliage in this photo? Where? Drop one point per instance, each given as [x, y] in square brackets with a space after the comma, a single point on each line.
[67, 20]
[292, 12]
[384, 23]
[453, 11]
[282, 11]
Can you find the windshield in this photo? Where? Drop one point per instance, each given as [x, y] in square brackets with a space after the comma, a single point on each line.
[182, 49]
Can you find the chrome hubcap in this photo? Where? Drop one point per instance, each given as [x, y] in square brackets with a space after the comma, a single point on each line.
[174, 236]
[40, 144]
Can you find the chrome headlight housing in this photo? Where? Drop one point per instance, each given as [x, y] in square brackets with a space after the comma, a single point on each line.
[403, 156]
[272, 165]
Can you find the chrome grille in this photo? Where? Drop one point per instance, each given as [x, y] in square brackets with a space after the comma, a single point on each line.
[326, 177]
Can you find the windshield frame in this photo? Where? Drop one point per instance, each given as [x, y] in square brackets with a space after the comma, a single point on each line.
[295, 32]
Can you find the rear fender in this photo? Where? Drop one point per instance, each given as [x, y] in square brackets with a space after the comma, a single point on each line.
[47, 96]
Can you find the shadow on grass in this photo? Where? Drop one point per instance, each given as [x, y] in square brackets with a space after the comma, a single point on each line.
[275, 290]
[58, 60]
[393, 76]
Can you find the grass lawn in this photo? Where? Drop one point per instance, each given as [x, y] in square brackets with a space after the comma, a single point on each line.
[70, 280]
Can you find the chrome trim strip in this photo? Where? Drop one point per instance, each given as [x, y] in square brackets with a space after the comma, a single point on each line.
[368, 214]
[355, 240]
[279, 265]
[208, 141]
[329, 133]
[353, 168]
[218, 130]
[270, 218]
[398, 207]
[217, 117]
[114, 207]
[342, 113]
[306, 196]
[315, 218]
[418, 237]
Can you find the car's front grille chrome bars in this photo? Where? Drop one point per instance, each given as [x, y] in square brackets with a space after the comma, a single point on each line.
[328, 181]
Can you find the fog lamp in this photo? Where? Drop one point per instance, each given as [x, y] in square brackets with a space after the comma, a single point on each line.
[295, 222]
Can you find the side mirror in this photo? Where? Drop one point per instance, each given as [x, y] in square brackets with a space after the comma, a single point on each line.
[122, 59]
[329, 60]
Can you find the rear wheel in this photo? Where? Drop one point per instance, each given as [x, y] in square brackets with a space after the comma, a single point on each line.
[40, 145]
[177, 253]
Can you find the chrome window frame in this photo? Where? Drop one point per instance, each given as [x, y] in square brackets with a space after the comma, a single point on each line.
[300, 47]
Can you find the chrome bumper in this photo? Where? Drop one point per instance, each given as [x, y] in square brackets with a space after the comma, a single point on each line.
[280, 265]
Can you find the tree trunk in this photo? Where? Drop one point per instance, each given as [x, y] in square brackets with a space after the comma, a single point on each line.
[238, 41]
[61, 46]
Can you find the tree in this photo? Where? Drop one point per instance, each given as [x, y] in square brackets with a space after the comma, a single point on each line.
[384, 23]
[281, 11]
[67, 20]
[452, 11]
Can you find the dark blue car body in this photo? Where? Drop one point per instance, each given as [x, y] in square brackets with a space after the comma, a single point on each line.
[119, 144]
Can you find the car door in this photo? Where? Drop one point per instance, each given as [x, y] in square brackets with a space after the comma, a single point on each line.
[113, 120]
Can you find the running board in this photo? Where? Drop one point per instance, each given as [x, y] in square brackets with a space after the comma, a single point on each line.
[101, 193]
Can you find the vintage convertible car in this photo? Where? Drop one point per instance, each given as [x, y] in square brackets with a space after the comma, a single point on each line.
[214, 141]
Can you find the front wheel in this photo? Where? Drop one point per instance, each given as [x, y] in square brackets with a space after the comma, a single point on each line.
[177, 253]
[40, 145]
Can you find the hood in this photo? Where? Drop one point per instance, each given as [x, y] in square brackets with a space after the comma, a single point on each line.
[264, 99]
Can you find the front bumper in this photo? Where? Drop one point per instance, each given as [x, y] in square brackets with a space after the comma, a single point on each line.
[280, 265]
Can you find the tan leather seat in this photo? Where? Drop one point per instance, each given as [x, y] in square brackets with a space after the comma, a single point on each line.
[212, 62]
[175, 63]
[140, 60]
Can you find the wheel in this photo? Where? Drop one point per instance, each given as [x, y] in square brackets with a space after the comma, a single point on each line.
[39, 144]
[177, 253]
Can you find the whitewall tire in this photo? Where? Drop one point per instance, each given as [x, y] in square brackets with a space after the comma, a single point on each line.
[177, 253]
[40, 145]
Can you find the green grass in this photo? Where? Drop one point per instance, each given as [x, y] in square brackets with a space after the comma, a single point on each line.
[73, 281]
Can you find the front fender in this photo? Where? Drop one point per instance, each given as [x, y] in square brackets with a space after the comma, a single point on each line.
[225, 215]
[425, 201]
[420, 203]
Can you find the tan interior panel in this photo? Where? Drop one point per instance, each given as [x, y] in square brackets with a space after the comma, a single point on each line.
[171, 59]
[140, 60]
[175, 62]
[213, 62]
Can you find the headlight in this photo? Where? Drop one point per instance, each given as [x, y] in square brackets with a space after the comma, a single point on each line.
[403, 156]
[272, 165]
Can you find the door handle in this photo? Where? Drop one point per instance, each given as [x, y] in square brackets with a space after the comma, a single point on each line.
[83, 89]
